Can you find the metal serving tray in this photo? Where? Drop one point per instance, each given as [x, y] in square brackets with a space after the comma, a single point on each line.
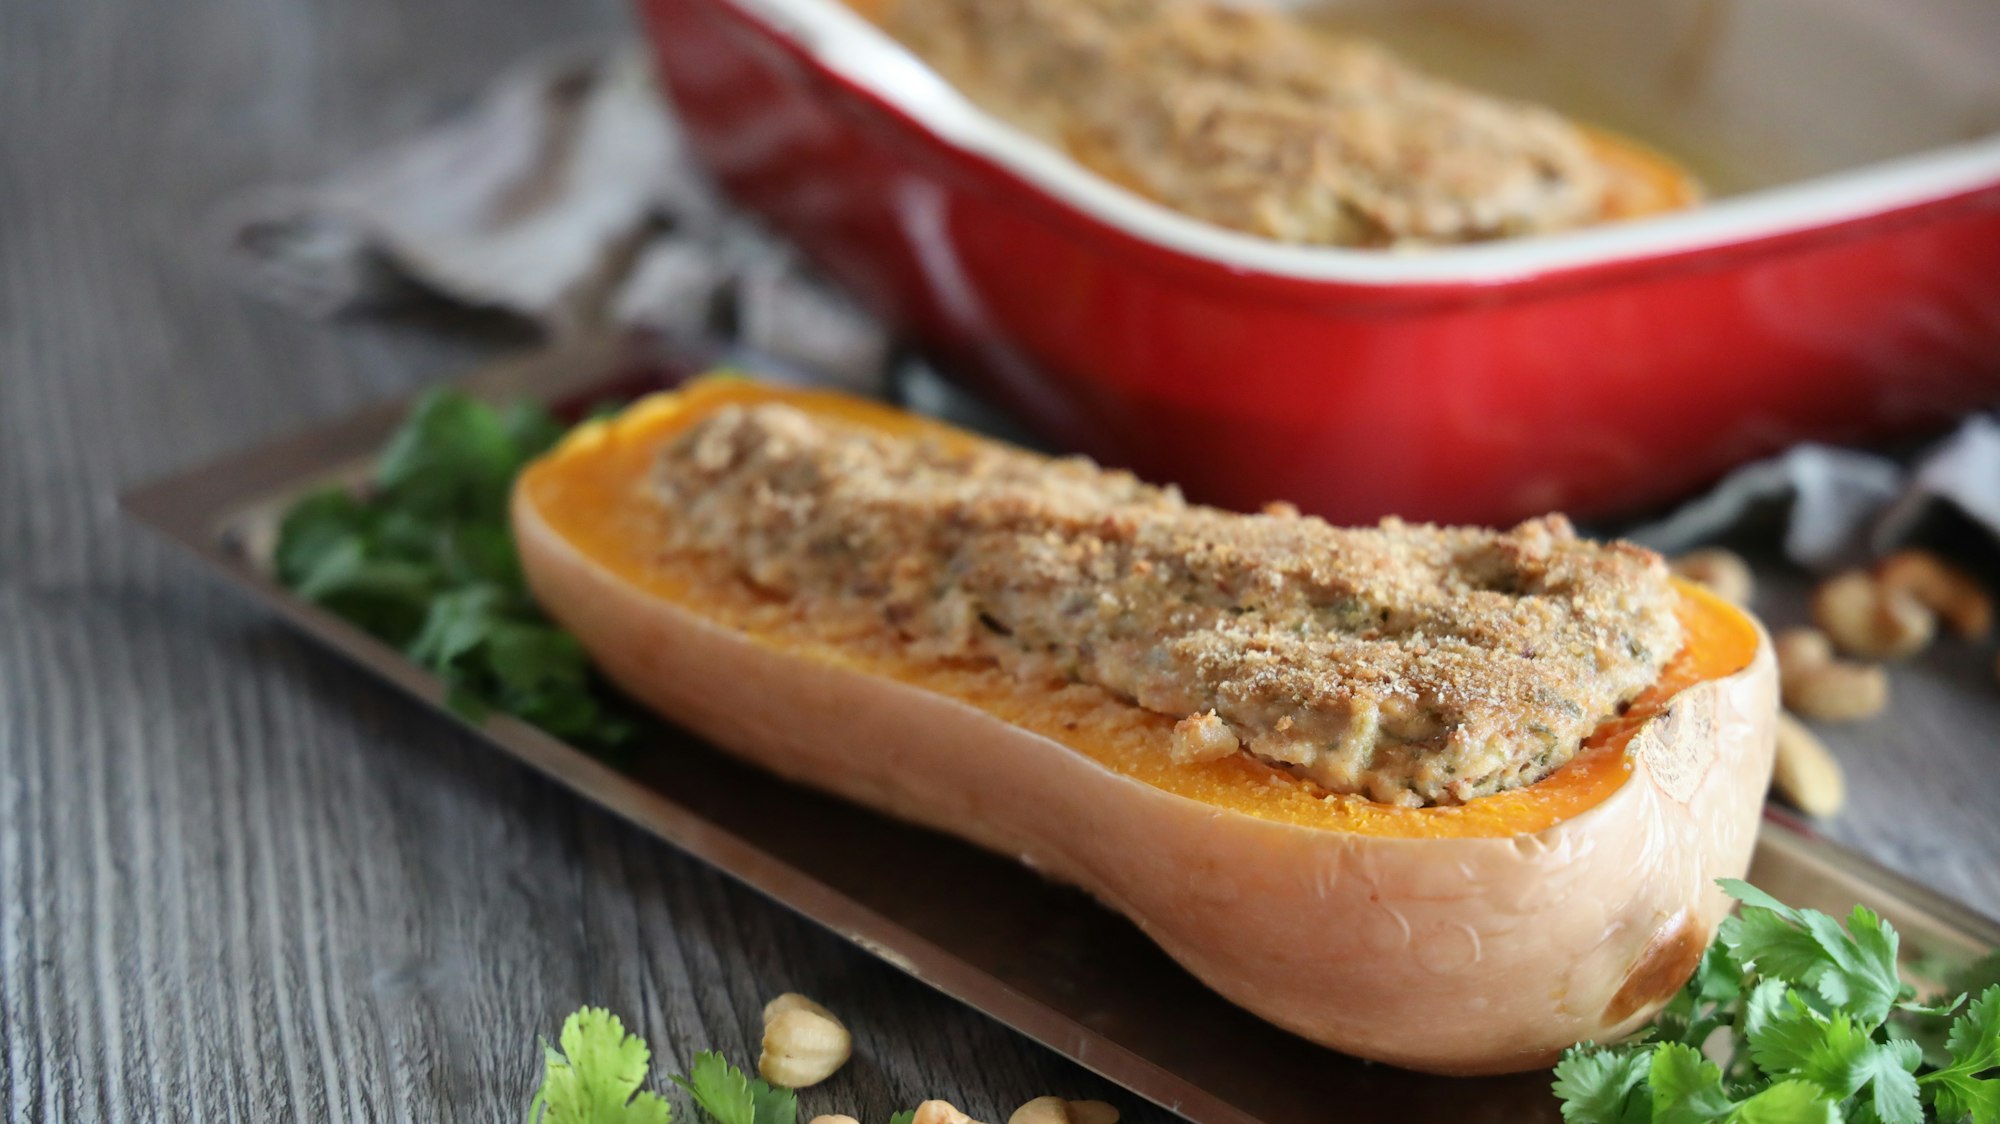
[1034, 955]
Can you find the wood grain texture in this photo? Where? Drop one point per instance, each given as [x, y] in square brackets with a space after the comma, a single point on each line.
[241, 882]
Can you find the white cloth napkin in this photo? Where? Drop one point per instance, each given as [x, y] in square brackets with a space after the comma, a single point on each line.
[1845, 506]
[563, 195]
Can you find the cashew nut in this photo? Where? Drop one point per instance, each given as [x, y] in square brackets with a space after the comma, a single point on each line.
[803, 1043]
[1092, 1112]
[940, 1112]
[1818, 686]
[1867, 619]
[1805, 772]
[1951, 593]
[1055, 1110]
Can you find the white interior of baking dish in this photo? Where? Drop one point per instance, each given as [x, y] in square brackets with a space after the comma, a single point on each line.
[1798, 112]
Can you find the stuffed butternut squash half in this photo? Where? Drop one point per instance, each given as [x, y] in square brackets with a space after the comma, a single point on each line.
[1452, 799]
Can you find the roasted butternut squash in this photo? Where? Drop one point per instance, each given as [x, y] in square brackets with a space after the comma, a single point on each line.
[1474, 938]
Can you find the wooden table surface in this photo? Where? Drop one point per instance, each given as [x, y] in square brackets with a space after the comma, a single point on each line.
[241, 881]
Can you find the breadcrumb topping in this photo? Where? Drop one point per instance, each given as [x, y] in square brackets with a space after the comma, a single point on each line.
[1411, 664]
[1241, 115]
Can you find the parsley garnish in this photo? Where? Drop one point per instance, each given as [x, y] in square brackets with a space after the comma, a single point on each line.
[1793, 1017]
[422, 558]
[727, 1096]
[595, 1079]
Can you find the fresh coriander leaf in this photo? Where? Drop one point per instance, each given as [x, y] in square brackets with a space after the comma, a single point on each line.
[649, 1108]
[1787, 1102]
[1892, 1080]
[1843, 1059]
[533, 429]
[456, 625]
[314, 526]
[1782, 1035]
[526, 658]
[1601, 1085]
[774, 1105]
[1939, 1008]
[1768, 1000]
[425, 560]
[1750, 895]
[1852, 968]
[386, 598]
[1773, 945]
[1708, 1002]
[480, 552]
[1862, 976]
[612, 1061]
[1963, 1088]
[907, 1116]
[453, 457]
[1797, 1010]
[720, 1090]
[595, 1077]
[727, 1096]
[1929, 1023]
[1687, 1088]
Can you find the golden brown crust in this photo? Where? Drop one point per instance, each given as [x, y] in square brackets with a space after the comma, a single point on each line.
[1243, 116]
[1413, 664]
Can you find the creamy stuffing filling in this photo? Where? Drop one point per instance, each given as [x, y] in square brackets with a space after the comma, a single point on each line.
[1414, 665]
[1244, 116]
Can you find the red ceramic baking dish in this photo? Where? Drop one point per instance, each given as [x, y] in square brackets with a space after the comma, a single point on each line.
[1842, 283]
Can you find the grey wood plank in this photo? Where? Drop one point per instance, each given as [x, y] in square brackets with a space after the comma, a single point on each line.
[241, 882]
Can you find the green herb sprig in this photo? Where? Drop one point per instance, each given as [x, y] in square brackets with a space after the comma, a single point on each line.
[422, 558]
[1794, 1018]
[595, 1078]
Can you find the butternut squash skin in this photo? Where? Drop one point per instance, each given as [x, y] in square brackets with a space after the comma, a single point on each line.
[1460, 955]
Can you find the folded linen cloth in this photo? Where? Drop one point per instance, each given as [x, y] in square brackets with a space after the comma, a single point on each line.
[1840, 507]
[563, 195]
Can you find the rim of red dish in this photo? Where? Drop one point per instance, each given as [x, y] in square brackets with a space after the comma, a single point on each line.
[847, 48]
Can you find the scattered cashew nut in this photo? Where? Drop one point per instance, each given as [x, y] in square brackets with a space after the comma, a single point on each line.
[1867, 619]
[1723, 572]
[1055, 1110]
[1092, 1112]
[1818, 686]
[940, 1112]
[1805, 772]
[833, 1118]
[1954, 595]
[803, 1043]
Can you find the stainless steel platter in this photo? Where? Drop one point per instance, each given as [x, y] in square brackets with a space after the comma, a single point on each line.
[1036, 956]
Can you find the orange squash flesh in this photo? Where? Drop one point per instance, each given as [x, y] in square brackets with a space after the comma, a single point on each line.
[1477, 939]
[593, 493]
[1640, 180]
